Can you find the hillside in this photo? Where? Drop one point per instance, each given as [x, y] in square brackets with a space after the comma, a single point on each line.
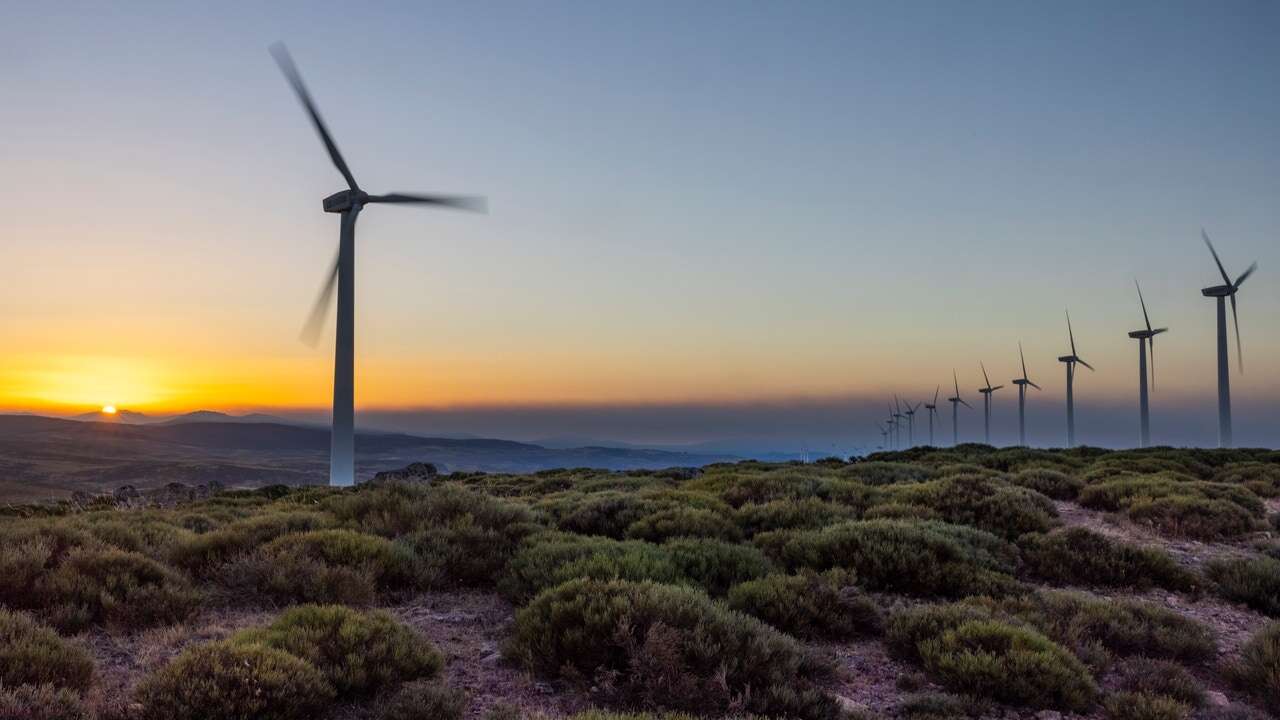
[969, 582]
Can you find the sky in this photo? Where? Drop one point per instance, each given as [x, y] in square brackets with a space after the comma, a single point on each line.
[706, 219]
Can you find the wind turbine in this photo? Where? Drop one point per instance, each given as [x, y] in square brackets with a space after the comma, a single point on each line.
[1227, 290]
[893, 430]
[955, 408]
[1071, 361]
[986, 403]
[911, 424]
[1022, 384]
[348, 203]
[896, 411]
[1144, 337]
[884, 436]
[933, 410]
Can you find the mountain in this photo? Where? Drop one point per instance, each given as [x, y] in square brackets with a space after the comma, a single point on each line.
[42, 457]
[127, 417]
[214, 416]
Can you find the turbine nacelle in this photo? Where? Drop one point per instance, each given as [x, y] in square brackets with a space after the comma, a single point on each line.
[1146, 334]
[1220, 291]
[345, 200]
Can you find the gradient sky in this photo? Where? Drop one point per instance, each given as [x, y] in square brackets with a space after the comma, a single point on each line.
[693, 205]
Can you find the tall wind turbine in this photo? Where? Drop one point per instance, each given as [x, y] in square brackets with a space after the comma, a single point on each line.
[896, 411]
[893, 430]
[955, 409]
[348, 203]
[884, 437]
[1145, 337]
[1226, 290]
[910, 412]
[933, 411]
[986, 403]
[1071, 361]
[1022, 384]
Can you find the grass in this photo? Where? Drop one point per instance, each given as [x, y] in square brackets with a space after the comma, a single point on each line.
[423, 700]
[40, 702]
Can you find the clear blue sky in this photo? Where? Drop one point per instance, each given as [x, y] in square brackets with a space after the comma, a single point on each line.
[692, 202]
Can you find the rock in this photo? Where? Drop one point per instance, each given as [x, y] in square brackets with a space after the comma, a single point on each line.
[125, 493]
[1216, 699]
[1048, 715]
[492, 658]
[418, 472]
[848, 705]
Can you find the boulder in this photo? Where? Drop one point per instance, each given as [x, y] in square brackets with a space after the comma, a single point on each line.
[418, 472]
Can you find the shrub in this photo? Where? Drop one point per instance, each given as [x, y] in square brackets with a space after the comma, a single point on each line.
[900, 511]
[1262, 478]
[204, 553]
[463, 553]
[886, 473]
[121, 589]
[1252, 581]
[806, 513]
[938, 706]
[424, 701]
[358, 652]
[1193, 517]
[984, 502]
[808, 605]
[396, 509]
[1177, 505]
[716, 565]
[1126, 705]
[1080, 556]
[683, 522]
[40, 702]
[1258, 670]
[548, 559]
[907, 629]
[230, 681]
[136, 532]
[893, 555]
[765, 487]
[1050, 483]
[1161, 677]
[1010, 664]
[1097, 629]
[31, 654]
[667, 647]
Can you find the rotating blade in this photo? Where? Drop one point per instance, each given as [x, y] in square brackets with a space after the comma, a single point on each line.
[1071, 334]
[1084, 363]
[1244, 276]
[1145, 317]
[285, 61]
[460, 202]
[1235, 320]
[320, 311]
[1226, 280]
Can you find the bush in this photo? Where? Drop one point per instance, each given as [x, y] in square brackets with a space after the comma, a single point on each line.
[323, 566]
[907, 629]
[667, 647]
[808, 605]
[463, 553]
[983, 502]
[230, 681]
[1050, 483]
[548, 559]
[807, 513]
[918, 558]
[1258, 670]
[1193, 517]
[1125, 705]
[1261, 478]
[1253, 581]
[1079, 556]
[358, 652]
[31, 654]
[40, 702]
[123, 590]
[424, 701]
[938, 706]
[202, 554]
[396, 509]
[1009, 664]
[683, 522]
[1179, 506]
[886, 473]
[716, 565]
[1161, 677]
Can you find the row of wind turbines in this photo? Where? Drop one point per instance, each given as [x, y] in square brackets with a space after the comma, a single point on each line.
[891, 428]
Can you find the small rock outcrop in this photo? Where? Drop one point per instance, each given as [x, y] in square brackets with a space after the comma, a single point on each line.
[418, 472]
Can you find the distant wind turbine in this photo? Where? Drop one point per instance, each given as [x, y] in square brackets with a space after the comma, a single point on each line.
[986, 403]
[911, 424]
[955, 407]
[1022, 384]
[884, 437]
[1145, 337]
[1071, 361]
[896, 411]
[348, 203]
[933, 411]
[1226, 290]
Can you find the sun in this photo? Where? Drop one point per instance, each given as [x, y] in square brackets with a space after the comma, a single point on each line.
[108, 409]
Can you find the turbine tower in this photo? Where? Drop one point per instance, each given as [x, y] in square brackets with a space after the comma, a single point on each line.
[896, 412]
[911, 424]
[933, 411]
[955, 409]
[348, 203]
[1226, 290]
[884, 437]
[1071, 361]
[986, 403]
[1022, 384]
[1145, 337]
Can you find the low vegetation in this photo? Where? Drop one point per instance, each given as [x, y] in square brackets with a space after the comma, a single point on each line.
[823, 606]
[1252, 581]
[1078, 556]
[1258, 670]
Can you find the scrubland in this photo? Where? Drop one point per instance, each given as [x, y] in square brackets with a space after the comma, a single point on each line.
[967, 582]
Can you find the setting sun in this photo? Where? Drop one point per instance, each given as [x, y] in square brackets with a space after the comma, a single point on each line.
[108, 409]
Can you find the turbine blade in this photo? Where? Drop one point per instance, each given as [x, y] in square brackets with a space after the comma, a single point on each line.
[1221, 269]
[1034, 385]
[962, 402]
[1235, 320]
[997, 387]
[985, 379]
[285, 61]
[1024, 361]
[1144, 304]
[935, 394]
[1244, 276]
[1152, 342]
[461, 202]
[1071, 334]
[1084, 363]
[315, 322]
[956, 379]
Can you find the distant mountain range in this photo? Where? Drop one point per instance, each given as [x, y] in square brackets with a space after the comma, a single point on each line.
[42, 456]
[130, 417]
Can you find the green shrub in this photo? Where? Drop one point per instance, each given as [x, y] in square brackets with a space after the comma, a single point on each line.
[230, 681]
[983, 502]
[1078, 556]
[1258, 670]
[1050, 483]
[424, 701]
[938, 706]
[358, 652]
[1010, 664]
[716, 565]
[683, 522]
[606, 513]
[1252, 581]
[1161, 677]
[806, 513]
[907, 629]
[549, 559]
[40, 702]
[886, 473]
[808, 604]
[668, 647]
[396, 509]
[32, 654]
[1098, 629]
[202, 554]
[1261, 478]
[761, 488]
[1179, 506]
[123, 590]
[463, 553]
[1126, 705]
[919, 558]
[138, 532]
[901, 511]
[1193, 517]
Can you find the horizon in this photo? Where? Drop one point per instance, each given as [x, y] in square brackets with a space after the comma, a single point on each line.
[756, 222]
